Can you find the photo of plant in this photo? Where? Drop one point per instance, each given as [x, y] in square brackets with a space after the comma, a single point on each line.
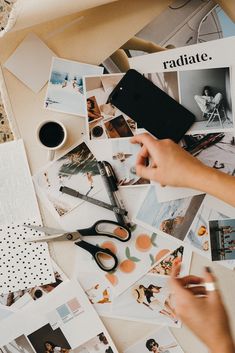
[172, 217]
[172, 259]
[76, 169]
[222, 239]
[124, 155]
[217, 150]
[65, 91]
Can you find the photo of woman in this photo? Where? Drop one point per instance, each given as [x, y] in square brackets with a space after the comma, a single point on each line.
[50, 347]
[156, 299]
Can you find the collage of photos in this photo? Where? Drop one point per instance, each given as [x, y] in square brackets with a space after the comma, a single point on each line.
[208, 97]
[105, 121]
[198, 235]
[76, 169]
[46, 340]
[158, 341]
[222, 239]
[20, 298]
[41, 334]
[100, 290]
[65, 92]
[136, 258]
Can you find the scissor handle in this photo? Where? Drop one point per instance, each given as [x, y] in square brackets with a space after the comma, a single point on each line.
[105, 258]
[109, 229]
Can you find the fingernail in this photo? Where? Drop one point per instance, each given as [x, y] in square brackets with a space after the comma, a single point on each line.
[208, 269]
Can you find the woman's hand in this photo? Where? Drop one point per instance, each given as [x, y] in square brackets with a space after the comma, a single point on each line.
[170, 164]
[202, 311]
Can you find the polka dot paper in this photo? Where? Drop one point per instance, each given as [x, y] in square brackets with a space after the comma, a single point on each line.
[22, 264]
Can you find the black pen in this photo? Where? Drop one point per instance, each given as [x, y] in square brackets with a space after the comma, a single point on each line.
[114, 185]
[75, 193]
[104, 172]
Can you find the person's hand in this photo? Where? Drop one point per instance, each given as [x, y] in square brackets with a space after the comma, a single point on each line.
[170, 164]
[202, 311]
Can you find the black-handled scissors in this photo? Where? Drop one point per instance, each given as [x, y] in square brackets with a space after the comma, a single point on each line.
[105, 258]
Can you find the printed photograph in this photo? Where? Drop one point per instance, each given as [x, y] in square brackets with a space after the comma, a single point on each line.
[167, 82]
[148, 300]
[117, 127]
[172, 217]
[217, 150]
[65, 91]
[198, 235]
[18, 345]
[208, 97]
[158, 341]
[22, 297]
[78, 170]
[124, 154]
[222, 239]
[47, 340]
[165, 266]
[98, 290]
[103, 119]
[97, 344]
[93, 109]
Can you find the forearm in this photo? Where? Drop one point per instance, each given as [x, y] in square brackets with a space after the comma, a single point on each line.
[225, 346]
[215, 183]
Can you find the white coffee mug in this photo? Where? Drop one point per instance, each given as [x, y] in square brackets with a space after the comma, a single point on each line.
[52, 135]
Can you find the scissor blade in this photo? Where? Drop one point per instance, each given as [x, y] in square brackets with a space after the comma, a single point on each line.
[46, 230]
[46, 238]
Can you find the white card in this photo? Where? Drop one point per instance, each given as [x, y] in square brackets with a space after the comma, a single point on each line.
[31, 62]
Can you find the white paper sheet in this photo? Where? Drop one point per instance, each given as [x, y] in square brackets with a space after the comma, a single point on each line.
[31, 62]
[18, 201]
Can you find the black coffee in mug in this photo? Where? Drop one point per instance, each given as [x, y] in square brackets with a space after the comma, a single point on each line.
[97, 131]
[51, 134]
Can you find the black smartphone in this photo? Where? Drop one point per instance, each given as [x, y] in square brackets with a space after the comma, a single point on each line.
[150, 107]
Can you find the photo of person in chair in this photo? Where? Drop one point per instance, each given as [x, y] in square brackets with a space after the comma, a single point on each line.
[207, 101]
